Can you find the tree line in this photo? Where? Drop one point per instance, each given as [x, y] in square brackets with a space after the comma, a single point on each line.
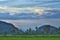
[45, 29]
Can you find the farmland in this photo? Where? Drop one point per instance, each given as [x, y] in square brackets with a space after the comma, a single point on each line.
[32, 37]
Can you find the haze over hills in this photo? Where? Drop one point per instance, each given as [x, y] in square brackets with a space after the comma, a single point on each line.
[10, 29]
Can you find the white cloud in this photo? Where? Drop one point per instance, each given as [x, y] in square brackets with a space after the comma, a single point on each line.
[13, 10]
[17, 10]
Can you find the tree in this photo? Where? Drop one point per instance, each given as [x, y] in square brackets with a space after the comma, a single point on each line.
[47, 28]
[21, 32]
[59, 30]
[29, 31]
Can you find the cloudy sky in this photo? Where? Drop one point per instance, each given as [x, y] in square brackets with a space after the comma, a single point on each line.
[29, 6]
[17, 6]
[39, 8]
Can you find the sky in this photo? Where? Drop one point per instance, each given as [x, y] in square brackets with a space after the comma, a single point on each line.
[18, 6]
[40, 7]
[30, 9]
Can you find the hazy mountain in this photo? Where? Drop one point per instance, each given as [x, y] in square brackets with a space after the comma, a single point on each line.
[47, 29]
[8, 28]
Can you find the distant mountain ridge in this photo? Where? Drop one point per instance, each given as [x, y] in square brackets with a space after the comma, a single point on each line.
[8, 28]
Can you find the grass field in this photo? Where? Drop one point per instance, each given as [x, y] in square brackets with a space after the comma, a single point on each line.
[29, 38]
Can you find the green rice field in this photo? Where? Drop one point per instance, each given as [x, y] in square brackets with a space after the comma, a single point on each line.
[29, 37]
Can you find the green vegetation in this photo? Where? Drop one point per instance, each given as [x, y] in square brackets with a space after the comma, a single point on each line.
[28, 38]
[45, 32]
